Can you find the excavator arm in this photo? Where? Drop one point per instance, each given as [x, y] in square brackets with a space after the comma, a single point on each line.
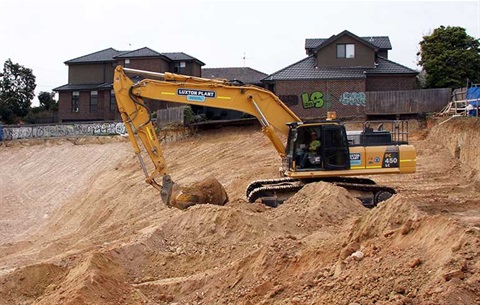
[272, 113]
[130, 95]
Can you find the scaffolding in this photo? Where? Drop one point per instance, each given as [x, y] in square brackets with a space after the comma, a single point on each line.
[460, 105]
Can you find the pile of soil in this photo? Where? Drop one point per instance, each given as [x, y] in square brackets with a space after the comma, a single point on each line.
[80, 226]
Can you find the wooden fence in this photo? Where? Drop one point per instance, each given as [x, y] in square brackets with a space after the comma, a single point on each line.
[170, 116]
[406, 102]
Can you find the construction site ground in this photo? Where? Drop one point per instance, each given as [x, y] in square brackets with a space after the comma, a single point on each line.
[78, 225]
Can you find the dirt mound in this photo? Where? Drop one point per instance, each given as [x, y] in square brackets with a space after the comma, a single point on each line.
[29, 283]
[404, 255]
[207, 191]
[80, 226]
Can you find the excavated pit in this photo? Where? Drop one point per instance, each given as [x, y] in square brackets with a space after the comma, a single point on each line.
[80, 226]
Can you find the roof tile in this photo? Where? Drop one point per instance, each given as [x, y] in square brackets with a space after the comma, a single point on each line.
[381, 42]
[143, 52]
[110, 55]
[180, 56]
[84, 87]
[244, 74]
[306, 69]
[100, 56]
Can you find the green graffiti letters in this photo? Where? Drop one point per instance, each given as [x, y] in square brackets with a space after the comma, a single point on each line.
[315, 100]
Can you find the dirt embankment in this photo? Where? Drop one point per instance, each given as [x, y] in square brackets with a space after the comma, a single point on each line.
[107, 239]
[461, 136]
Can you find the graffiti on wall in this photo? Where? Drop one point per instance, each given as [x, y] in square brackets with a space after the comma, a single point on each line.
[63, 130]
[352, 99]
[317, 99]
[313, 100]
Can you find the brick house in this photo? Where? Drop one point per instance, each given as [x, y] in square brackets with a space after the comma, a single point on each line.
[89, 96]
[242, 75]
[336, 74]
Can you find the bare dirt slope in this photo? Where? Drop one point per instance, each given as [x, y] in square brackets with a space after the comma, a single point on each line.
[79, 226]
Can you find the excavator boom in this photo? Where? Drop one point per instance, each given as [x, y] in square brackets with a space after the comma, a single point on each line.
[272, 113]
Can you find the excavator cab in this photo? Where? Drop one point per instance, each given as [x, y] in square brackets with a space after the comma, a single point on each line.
[331, 154]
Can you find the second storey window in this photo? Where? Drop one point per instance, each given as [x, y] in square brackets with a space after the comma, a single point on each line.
[93, 101]
[75, 99]
[180, 67]
[127, 63]
[346, 50]
[113, 102]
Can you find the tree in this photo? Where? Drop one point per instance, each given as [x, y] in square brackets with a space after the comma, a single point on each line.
[17, 85]
[47, 101]
[450, 58]
[45, 112]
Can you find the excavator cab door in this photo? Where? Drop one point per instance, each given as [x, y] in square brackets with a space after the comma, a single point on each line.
[334, 149]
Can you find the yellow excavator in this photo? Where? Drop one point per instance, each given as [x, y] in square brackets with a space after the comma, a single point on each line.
[338, 158]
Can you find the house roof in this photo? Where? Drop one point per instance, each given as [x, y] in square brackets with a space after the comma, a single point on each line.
[100, 56]
[110, 55]
[333, 38]
[306, 69]
[84, 87]
[386, 66]
[180, 56]
[244, 74]
[381, 42]
[143, 52]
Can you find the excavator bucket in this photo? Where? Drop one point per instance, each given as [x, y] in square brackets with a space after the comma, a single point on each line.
[208, 191]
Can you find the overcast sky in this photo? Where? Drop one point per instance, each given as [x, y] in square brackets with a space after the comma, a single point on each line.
[270, 35]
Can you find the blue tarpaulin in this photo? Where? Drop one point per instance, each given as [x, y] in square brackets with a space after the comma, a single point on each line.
[473, 96]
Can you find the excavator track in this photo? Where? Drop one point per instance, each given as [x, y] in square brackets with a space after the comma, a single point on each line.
[380, 192]
[268, 190]
[265, 182]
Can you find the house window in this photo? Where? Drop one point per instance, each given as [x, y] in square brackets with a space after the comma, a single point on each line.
[113, 102]
[346, 50]
[127, 63]
[75, 100]
[180, 67]
[93, 101]
[271, 87]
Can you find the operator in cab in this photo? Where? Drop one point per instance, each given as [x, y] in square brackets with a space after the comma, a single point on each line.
[310, 156]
